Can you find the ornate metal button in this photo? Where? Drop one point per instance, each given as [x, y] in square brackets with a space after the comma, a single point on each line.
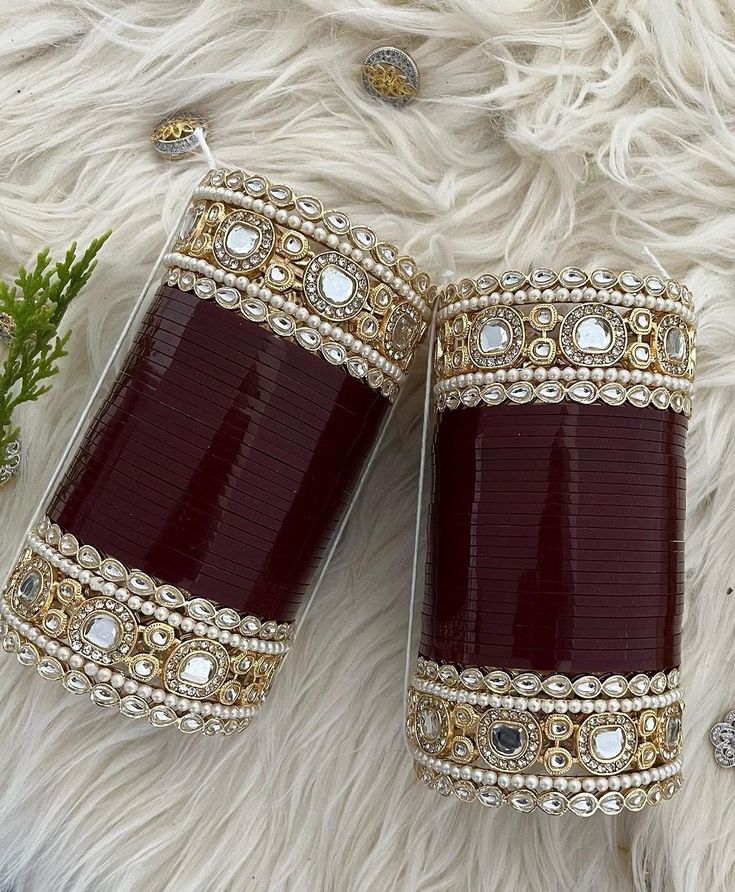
[390, 75]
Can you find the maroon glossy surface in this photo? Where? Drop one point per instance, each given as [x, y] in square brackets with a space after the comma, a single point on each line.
[556, 538]
[222, 459]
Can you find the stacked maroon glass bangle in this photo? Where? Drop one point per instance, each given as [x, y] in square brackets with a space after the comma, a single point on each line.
[557, 538]
[208, 488]
[222, 459]
[555, 571]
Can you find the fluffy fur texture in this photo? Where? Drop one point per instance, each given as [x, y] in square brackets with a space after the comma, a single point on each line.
[548, 132]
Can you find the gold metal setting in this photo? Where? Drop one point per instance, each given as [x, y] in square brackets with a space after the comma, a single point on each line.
[546, 734]
[305, 273]
[149, 649]
[548, 337]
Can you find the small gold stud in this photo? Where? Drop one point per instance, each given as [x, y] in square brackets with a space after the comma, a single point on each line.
[178, 135]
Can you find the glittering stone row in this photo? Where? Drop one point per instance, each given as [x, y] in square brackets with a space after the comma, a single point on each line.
[306, 273]
[110, 577]
[584, 392]
[514, 287]
[587, 745]
[74, 622]
[582, 344]
[360, 360]
[580, 796]
[483, 680]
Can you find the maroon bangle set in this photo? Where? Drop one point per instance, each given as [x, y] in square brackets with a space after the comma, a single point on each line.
[545, 554]
[208, 489]
[548, 669]
[222, 460]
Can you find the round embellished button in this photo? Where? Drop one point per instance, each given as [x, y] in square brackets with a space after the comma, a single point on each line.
[390, 75]
[178, 135]
[10, 461]
[7, 328]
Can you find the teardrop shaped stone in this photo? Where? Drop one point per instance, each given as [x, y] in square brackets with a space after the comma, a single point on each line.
[254, 309]
[364, 237]
[50, 668]
[104, 695]
[553, 803]
[523, 800]
[573, 277]
[76, 682]
[335, 354]
[493, 395]
[205, 288]
[490, 797]
[162, 715]
[521, 393]
[583, 804]
[308, 207]
[611, 803]
[228, 298]
[133, 707]
[613, 394]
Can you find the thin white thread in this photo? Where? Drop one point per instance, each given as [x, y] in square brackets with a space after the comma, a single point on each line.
[205, 148]
[419, 506]
[655, 261]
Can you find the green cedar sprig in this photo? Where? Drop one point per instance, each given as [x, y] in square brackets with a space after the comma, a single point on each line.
[37, 302]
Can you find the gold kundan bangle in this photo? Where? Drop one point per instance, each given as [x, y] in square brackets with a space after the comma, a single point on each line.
[144, 648]
[549, 337]
[548, 670]
[305, 273]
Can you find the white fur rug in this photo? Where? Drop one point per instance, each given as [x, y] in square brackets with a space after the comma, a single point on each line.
[548, 132]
